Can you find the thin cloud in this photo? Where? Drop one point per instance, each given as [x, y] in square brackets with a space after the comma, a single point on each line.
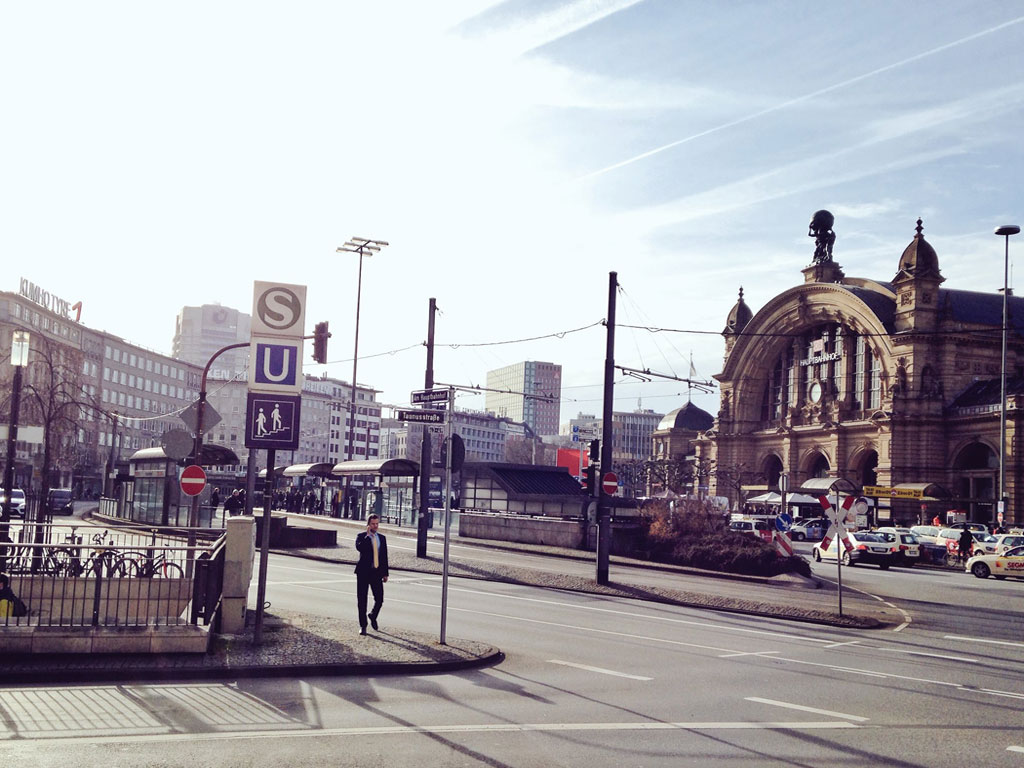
[800, 99]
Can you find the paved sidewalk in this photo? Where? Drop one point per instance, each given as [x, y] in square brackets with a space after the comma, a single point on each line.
[293, 645]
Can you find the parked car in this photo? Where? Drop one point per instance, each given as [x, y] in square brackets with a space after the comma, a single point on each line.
[753, 527]
[17, 501]
[60, 501]
[981, 527]
[908, 547]
[925, 533]
[984, 543]
[811, 529]
[868, 547]
[1005, 541]
[1010, 563]
[946, 537]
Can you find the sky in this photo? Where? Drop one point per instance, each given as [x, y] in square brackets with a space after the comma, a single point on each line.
[512, 154]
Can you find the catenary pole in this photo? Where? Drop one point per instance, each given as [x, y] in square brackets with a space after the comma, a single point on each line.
[428, 383]
[604, 523]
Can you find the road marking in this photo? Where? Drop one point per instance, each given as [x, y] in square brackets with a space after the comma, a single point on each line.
[598, 669]
[1015, 749]
[982, 640]
[802, 708]
[748, 653]
[836, 645]
[398, 730]
[907, 618]
[966, 659]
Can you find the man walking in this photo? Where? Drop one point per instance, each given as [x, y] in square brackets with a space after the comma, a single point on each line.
[371, 571]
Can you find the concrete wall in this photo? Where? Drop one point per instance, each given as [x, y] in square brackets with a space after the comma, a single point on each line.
[525, 530]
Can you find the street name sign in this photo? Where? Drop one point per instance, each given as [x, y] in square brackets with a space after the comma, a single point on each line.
[193, 480]
[422, 417]
[429, 396]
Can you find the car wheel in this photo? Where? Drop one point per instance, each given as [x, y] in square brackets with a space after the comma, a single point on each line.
[817, 555]
[846, 559]
[798, 537]
[980, 570]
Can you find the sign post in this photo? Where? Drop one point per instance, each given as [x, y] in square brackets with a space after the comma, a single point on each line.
[272, 414]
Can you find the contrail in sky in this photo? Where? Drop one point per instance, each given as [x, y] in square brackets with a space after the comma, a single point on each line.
[805, 97]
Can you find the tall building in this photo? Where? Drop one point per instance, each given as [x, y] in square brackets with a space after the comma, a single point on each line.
[200, 331]
[531, 394]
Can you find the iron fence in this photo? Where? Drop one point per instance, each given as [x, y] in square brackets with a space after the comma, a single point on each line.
[82, 576]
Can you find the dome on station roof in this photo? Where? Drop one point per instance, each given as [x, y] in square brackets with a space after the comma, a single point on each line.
[688, 417]
[739, 316]
[919, 258]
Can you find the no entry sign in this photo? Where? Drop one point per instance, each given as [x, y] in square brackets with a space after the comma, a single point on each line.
[193, 480]
[610, 483]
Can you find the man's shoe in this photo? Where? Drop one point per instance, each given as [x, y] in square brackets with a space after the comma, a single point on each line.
[373, 623]
[362, 630]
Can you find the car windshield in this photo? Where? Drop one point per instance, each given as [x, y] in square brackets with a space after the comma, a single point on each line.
[908, 538]
[1015, 552]
[985, 537]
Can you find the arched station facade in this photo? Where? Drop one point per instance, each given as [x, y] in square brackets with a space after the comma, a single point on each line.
[880, 382]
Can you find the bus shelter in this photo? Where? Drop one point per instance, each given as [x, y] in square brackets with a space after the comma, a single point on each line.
[392, 491]
[154, 495]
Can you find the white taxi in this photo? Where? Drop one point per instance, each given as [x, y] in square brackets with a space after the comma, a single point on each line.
[1009, 563]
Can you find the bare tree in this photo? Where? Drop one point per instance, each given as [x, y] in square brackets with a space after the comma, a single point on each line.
[55, 398]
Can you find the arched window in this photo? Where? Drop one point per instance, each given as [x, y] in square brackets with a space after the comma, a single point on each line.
[819, 467]
[772, 469]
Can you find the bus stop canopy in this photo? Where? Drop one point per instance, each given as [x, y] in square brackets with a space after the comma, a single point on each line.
[382, 467]
[212, 455]
[277, 472]
[819, 485]
[320, 469]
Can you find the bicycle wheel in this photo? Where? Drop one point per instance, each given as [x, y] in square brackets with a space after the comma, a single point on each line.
[169, 570]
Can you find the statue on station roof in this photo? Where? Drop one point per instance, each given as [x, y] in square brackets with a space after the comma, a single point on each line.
[824, 237]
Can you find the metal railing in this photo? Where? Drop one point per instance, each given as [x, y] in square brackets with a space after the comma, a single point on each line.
[82, 576]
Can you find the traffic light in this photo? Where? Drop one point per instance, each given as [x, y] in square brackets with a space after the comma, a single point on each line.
[595, 450]
[589, 480]
[320, 337]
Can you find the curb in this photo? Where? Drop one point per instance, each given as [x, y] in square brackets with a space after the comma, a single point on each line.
[145, 674]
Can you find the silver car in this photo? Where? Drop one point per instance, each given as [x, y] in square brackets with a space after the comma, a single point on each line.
[17, 501]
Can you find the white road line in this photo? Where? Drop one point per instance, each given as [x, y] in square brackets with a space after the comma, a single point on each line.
[965, 659]
[836, 645]
[1015, 749]
[748, 653]
[907, 618]
[398, 730]
[802, 708]
[598, 669]
[982, 640]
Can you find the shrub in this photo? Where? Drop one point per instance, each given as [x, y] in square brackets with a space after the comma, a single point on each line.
[691, 534]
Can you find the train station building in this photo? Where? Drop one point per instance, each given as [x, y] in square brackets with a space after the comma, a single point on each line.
[886, 382]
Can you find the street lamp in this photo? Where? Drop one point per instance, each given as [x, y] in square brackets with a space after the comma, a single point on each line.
[19, 359]
[364, 247]
[1005, 231]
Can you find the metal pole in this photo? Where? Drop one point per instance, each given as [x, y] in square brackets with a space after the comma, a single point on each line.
[1005, 231]
[353, 409]
[428, 383]
[261, 587]
[840, 549]
[604, 524]
[448, 418]
[12, 441]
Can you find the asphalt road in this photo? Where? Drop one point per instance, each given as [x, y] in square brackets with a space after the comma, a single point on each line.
[588, 681]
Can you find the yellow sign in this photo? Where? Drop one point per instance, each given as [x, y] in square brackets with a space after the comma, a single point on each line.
[883, 492]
